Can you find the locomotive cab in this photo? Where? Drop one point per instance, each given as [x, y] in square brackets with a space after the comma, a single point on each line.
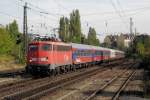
[39, 56]
[46, 56]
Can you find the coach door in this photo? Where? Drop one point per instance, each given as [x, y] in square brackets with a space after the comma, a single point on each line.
[102, 55]
[55, 55]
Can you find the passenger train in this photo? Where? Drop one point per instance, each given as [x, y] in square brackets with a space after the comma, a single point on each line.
[52, 57]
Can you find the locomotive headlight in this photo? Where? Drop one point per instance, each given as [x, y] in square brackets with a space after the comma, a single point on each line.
[30, 60]
[44, 59]
[34, 59]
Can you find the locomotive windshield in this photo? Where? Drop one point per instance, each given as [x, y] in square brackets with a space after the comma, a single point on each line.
[43, 47]
[46, 47]
[33, 47]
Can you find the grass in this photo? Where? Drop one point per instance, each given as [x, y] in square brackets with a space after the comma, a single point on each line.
[5, 58]
[7, 62]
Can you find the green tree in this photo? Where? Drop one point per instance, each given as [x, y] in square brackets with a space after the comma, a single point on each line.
[6, 42]
[70, 30]
[67, 33]
[75, 27]
[13, 29]
[62, 28]
[92, 39]
[140, 49]
[107, 42]
[17, 50]
[120, 42]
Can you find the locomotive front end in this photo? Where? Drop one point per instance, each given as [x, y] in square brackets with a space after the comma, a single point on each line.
[39, 57]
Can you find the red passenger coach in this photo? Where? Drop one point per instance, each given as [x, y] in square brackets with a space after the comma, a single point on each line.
[106, 54]
[82, 54]
[47, 56]
[98, 54]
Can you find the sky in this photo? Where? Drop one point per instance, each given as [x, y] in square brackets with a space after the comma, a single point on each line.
[106, 16]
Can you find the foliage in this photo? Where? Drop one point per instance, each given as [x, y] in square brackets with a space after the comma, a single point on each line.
[92, 39]
[75, 26]
[64, 29]
[115, 42]
[12, 28]
[8, 41]
[120, 42]
[141, 48]
[70, 30]
[107, 42]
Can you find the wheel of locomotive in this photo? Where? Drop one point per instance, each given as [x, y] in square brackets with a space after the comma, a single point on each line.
[48, 73]
[72, 66]
[27, 69]
[34, 73]
[61, 69]
[57, 70]
[67, 69]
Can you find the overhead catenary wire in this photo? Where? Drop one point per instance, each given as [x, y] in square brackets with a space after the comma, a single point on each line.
[46, 14]
[122, 10]
[59, 5]
[37, 8]
[118, 12]
[9, 15]
[127, 15]
[43, 13]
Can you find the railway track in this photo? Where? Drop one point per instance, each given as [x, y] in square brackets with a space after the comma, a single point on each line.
[12, 73]
[81, 90]
[26, 89]
[115, 86]
[39, 87]
[135, 88]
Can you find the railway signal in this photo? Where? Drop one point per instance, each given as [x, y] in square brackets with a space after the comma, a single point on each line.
[19, 39]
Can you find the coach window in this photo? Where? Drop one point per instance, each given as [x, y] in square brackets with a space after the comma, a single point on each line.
[77, 53]
[81, 53]
[68, 48]
[54, 47]
[63, 48]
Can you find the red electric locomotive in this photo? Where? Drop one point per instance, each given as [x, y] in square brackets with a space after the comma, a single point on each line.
[47, 56]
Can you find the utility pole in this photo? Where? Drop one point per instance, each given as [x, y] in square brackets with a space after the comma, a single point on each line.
[25, 30]
[106, 24]
[131, 26]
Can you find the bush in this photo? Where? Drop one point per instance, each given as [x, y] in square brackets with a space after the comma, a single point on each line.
[6, 42]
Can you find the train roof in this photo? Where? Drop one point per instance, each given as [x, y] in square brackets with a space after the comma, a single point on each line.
[114, 50]
[99, 48]
[81, 46]
[76, 45]
[84, 46]
[49, 42]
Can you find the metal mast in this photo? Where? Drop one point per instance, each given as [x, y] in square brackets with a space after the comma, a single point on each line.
[131, 26]
[25, 29]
